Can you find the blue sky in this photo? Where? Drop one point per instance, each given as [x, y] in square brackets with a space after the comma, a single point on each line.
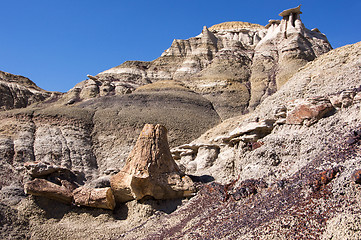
[57, 43]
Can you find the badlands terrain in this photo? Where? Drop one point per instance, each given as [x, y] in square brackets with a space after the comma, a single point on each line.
[242, 132]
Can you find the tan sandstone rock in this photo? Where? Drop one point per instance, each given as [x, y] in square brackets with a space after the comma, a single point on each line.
[94, 197]
[150, 170]
[307, 111]
[44, 188]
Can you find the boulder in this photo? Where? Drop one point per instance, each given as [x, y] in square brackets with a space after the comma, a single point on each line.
[94, 197]
[307, 111]
[39, 169]
[150, 170]
[44, 188]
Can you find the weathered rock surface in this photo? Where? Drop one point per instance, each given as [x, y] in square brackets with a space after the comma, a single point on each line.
[44, 188]
[150, 170]
[307, 111]
[279, 179]
[83, 137]
[311, 171]
[94, 197]
[293, 142]
[19, 92]
[39, 169]
[287, 46]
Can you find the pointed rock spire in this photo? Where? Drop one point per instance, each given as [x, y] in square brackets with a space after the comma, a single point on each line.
[150, 170]
[208, 36]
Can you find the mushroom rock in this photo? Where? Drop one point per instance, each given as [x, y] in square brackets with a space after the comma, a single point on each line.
[150, 170]
[287, 46]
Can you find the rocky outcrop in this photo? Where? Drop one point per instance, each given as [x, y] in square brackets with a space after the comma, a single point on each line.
[19, 92]
[289, 113]
[249, 132]
[150, 170]
[302, 165]
[277, 179]
[83, 137]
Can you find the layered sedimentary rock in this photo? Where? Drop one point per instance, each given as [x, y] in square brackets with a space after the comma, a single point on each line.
[83, 137]
[150, 170]
[287, 46]
[324, 89]
[311, 172]
[277, 178]
[235, 65]
[19, 92]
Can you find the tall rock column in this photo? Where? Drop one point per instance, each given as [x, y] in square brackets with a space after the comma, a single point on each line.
[150, 170]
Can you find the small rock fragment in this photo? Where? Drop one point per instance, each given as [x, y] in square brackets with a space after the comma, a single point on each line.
[39, 169]
[356, 176]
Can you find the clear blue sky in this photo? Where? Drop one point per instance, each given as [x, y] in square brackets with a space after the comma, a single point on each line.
[56, 43]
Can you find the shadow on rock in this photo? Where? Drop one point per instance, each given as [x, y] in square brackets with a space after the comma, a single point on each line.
[57, 210]
[202, 179]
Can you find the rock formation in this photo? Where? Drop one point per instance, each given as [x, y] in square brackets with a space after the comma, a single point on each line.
[286, 47]
[19, 92]
[302, 165]
[288, 169]
[150, 170]
[234, 65]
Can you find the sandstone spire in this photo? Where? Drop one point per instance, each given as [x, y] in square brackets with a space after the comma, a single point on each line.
[150, 170]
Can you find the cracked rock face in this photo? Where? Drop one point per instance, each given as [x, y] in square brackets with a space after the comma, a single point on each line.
[150, 170]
